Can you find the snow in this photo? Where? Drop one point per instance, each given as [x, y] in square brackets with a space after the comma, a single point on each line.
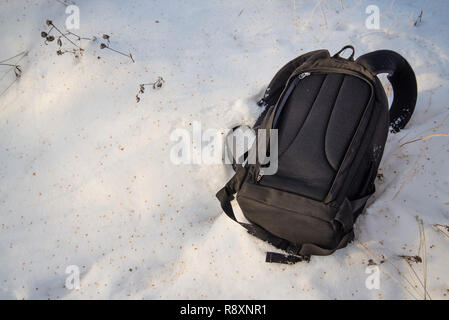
[85, 170]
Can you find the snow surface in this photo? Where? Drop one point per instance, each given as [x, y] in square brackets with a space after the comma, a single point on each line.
[85, 171]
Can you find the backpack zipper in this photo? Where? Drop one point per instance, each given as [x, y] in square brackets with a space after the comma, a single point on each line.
[303, 75]
[295, 78]
[259, 176]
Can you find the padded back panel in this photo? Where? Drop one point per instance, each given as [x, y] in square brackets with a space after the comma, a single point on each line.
[316, 127]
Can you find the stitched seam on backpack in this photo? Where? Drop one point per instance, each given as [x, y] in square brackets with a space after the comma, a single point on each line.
[327, 124]
[296, 212]
[305, 120]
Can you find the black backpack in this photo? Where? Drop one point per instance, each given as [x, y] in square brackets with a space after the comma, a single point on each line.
[333, 119]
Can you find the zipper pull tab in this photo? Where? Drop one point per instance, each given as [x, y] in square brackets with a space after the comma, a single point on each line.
[259, 175]
[303, 75]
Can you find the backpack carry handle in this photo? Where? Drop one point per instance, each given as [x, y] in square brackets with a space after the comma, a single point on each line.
[402, 79]
[351, 57]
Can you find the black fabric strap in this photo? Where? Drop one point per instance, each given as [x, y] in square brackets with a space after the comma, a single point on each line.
[358, 204]
[226, 195]
[295, 253]
[402, 79]
[275, 257]
[236, 163]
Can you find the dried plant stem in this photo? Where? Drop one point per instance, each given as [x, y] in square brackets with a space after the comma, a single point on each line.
[159, 81]
[63, 35]
[79, 37]
[118, 51]
[17, 55]
[12, 67]
[415, 274]
[422, 256]
[443, 229]
[424, 138]
[419, 19]
[156, 85]
[9, 86]
[123, 54]
[423, 251]
[21, 55]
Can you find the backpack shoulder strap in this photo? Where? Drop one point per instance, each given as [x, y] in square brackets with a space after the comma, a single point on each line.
[402, 79]
[226, 195]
